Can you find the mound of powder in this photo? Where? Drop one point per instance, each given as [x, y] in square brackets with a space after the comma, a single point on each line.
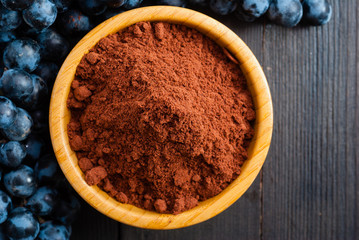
[161, 117]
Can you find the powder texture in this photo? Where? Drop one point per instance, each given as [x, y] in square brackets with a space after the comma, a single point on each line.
[161, 117]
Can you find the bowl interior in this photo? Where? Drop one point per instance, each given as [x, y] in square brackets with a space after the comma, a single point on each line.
[128, 214]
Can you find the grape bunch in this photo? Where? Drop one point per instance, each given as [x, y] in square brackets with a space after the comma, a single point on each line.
[36, 201]
[287, 13]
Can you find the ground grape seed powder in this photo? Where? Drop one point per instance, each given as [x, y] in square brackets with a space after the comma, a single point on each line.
[161, 117]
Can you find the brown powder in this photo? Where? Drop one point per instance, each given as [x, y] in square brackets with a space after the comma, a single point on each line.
[161, 117]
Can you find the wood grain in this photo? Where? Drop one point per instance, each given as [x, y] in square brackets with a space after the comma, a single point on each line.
[310, 180]
[92, 225]
[60, 116]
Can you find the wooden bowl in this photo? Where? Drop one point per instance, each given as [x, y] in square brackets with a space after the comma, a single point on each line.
[129, 214]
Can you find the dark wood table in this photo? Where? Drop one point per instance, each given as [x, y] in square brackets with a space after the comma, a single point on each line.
[309, 184]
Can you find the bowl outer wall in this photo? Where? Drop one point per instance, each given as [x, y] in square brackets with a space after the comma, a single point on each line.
[258, 149]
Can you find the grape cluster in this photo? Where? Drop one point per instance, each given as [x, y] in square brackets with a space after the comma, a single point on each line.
[35, 37]
[36, 202]
[287, 13]
[35, 199]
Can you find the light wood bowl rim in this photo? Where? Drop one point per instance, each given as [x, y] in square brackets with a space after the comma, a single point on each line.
[128, 214]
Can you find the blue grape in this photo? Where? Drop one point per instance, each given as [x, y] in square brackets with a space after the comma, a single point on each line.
[62, 5]
[2, 233]
[47, 71]
[287, 13]
[46, 168]
[23, 54]
[43, 201]
[39, 93]
[115, 3]
[53, 46]
[26, 32]
[74, 22]
[24, 92]
[21, 225]
[200, 3]
[242, 15]
[2, 68]
[92, 7]
[177, 3]
[223, 7]
[40, 121]
[5, 206]
[129, 4]
[12, 154]
[21, 182]
[24, 89]
[255, 8]
[41, 14]
[109, 13]
[317, 12]
[34, 146]
[5, 38]
[52, 230]
[16, 5]
[17, 84]
[8, 112]
[20, 128]
[9, 20]
[66, 209]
